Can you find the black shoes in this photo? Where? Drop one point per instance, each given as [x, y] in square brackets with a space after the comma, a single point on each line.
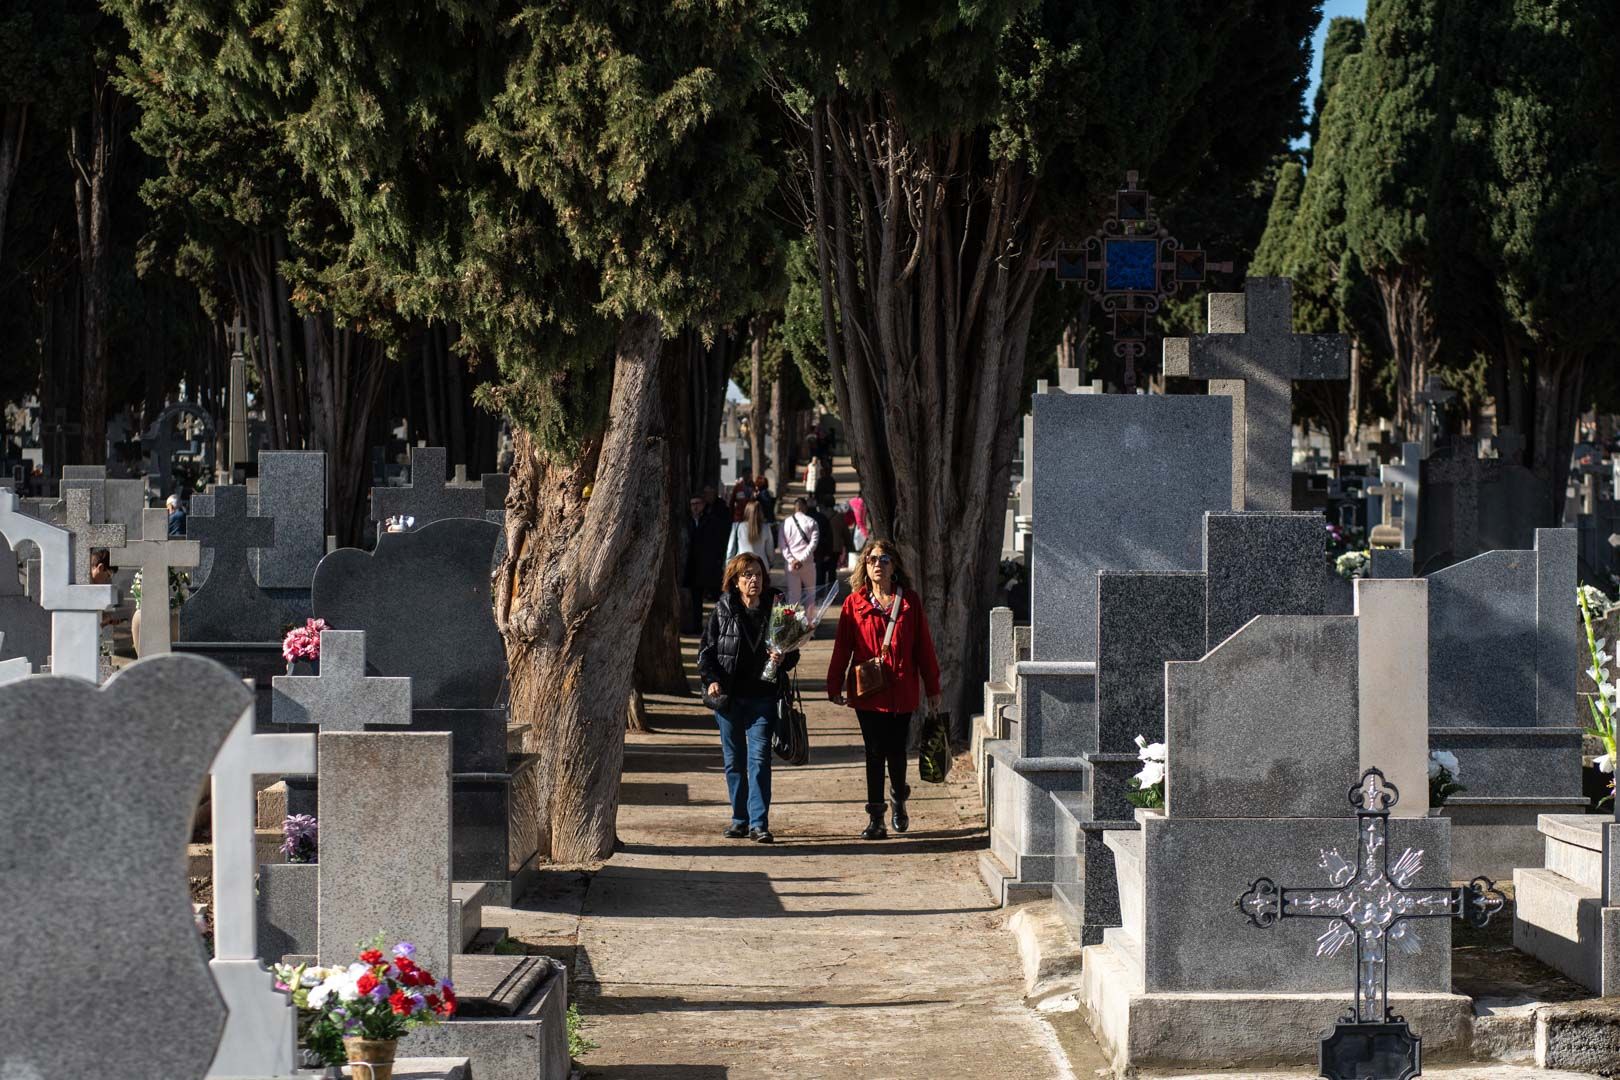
[874, 828]
[902, 820]
[761, 836]
[735, 832]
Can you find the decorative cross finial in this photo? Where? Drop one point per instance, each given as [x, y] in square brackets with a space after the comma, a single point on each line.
[427, 498]
[87, 535]
[342, 697]
[1369, 902]
[237, 334]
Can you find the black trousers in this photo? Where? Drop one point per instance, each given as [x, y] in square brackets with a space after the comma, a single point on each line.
[885, 735]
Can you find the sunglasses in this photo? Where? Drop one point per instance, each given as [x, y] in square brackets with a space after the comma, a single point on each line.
[879, 560]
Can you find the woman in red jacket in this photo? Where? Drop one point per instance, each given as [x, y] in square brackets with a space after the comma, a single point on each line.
[881, 607]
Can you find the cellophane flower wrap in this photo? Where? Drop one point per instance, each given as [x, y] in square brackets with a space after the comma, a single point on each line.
[792, 625]
[303, 642]
[382, 995]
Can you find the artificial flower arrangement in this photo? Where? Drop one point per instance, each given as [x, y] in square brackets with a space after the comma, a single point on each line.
[1352, 564]
[300, 838]
[303, 642]
[376, 1000]
[1147, 786]
[1443, 774]
[1606, 702]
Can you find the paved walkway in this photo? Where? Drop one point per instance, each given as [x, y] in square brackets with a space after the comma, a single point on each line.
[701, 958]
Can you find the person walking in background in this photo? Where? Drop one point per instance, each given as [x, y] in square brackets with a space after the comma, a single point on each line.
[812, 475]
[826, 557]
[731, 658]
[766, 497]
[752, 535]
[694, 559]
[799, 540]
[883, 648]
[857, 507]
[742, 493]
[177, 516]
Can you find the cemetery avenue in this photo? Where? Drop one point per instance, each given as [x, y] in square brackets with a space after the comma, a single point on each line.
[795, 539]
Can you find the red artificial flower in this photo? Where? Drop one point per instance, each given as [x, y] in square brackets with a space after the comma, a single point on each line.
[366, 983]
[449, 1001]
[371, 956]
[404, 963]
[400, 1003]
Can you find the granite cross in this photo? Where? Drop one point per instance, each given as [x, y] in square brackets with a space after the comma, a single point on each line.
[261, 1028]
[229, 532]
[1370, 901]
[342, 697]
[427, 498]
[1433, 397]
[75, 609]
[1252, 355]
[1407, 473]
[1385, 447]
[87, 535]
[1386, 534]
[154, 554]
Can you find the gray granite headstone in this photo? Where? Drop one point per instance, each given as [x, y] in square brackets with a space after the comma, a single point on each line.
[1390, 563]
[1253, 356]
[89, 532]
[27, 626]
[292, 491]
[91, 478]
[428, 498]
[1261, 564]
[341, 697]
[423, 599]
[230, 606]
[1143, 620]
[94, 886]
[385, 844]
[1121, 482]
[1266, 725]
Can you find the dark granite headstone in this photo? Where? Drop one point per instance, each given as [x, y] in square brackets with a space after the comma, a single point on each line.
[427, 498]
[230, 606]
[1261, 564]
[423, 599]
[95, 878]
[292, 491]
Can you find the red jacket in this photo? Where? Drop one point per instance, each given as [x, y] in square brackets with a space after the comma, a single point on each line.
[911, 651]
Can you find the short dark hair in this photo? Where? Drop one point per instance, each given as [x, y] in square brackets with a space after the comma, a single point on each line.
[801, 503]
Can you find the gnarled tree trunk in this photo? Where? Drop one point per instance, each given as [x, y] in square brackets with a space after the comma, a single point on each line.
[1558, 382]
[574, 587]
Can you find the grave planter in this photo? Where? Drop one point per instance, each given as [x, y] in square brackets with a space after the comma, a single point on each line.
[135, 629]
[375, 1055]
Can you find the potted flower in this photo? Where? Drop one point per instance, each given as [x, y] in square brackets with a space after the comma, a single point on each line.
[359, 1013]
[1146, 791]
[303, 643]
[1443, 773]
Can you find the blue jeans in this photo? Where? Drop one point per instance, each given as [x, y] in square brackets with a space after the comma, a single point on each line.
[745, 745]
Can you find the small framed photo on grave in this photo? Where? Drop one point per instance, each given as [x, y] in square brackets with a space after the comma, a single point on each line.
[1071, 264]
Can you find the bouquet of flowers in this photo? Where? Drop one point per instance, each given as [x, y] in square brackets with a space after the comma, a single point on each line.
[1443, 773]
[792, 624]
[1147, 786]
[300, 838]
[381, 997]
[1352, 564]
[303, 642]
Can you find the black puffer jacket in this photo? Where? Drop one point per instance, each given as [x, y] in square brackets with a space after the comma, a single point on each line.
[723, 646]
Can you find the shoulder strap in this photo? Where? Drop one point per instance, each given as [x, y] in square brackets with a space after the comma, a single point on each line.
[894, 617]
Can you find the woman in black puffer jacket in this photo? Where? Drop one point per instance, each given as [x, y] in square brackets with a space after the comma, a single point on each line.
[730, 659]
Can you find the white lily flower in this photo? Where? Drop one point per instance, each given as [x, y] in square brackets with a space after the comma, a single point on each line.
[1443, 759]
[1605, 764]
[1152, 773]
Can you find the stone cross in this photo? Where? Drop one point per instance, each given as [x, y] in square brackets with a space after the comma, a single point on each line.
[1252, 355]
[427, 498]
[1407, 473]
[1387, 492]
[75, 609]
[87, 535]
[1369, 900]
[341, 697]
[153, 555]
[261, 1029]
[1384, 447]
[1433, 397]
[230, 531]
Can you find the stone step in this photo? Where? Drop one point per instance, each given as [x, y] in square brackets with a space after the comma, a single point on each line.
[467, 900]
[1574, 846]
[1559, 922]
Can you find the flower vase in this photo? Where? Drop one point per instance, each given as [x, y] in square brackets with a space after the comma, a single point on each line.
[304, 667]
[370, 1059]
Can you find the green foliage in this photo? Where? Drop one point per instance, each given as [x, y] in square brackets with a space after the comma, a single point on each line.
[801, 331]
[578, 1044]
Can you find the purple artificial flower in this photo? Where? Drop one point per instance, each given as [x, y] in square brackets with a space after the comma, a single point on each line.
[418, 1003]
[379, 992]
[405, 948]
[300, 838]
[447, 985]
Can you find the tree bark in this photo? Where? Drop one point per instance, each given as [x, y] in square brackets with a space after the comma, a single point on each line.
[756, 387]
[928, 259]
[574, 587]
[781, 442]
[1558, 383]
[660, 667]
[13, 125]
[1352, 416]
[94, 151]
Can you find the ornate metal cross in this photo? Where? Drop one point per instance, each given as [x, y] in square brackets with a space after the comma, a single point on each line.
[1131, 266]
[1370, 904]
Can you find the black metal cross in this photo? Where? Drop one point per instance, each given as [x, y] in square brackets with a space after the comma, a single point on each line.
[1369, 903]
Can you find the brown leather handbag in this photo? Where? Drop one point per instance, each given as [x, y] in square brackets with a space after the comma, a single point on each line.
[871, 676]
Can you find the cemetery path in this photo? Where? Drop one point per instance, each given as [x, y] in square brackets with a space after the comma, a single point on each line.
[701, 958]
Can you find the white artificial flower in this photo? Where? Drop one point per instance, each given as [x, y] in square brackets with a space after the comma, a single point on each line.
[318, 996]
[1605, 764]
[1152, 773]
[1443, 759]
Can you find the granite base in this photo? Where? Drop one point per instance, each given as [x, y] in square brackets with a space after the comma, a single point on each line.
[532, 1045]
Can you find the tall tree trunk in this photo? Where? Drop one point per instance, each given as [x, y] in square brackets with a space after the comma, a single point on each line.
[1352, 415]
[660, 666]
[94, 149]
[1409, 322]
[13, 125]
[781, 440]
[574, 587]
[1558, 383]
[929, 267]
[756, 387]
